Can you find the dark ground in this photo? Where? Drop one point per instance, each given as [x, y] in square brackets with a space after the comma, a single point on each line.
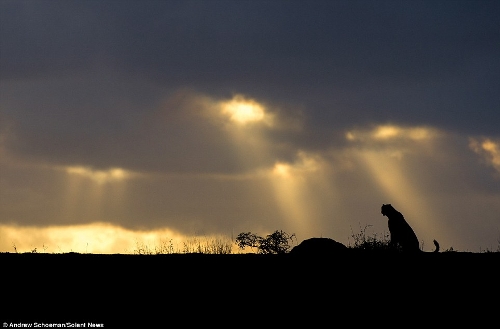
[192, 290]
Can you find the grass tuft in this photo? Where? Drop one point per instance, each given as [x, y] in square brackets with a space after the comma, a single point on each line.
[198, 245]
[374, 242]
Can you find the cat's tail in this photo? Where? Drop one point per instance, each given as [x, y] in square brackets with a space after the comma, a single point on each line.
[437, 246]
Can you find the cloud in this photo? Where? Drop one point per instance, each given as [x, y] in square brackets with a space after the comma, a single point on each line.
[388, 132]
[349, 64]
[488, 149]
[184, 132]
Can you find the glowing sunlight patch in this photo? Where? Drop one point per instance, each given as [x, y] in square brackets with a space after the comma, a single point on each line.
[243, 111]
[489, 149]
[96, 238]
[282, 169]
[391, 132]
[99, 176]
[386, 132]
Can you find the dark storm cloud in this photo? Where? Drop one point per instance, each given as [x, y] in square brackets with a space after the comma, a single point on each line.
[417, 62]
[183, 132]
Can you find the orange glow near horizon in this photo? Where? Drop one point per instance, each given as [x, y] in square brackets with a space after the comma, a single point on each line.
[97, 238]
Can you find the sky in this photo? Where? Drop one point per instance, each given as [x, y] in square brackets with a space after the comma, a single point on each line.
[133, 122]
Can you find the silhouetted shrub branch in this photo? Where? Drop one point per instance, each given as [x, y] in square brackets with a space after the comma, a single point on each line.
[277, 242]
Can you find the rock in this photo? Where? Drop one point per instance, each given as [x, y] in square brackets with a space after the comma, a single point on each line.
[318, 246]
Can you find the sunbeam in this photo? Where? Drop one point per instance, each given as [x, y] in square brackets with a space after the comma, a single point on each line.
[294, 184]
[305, 193]
[383, 152]
[90, 192]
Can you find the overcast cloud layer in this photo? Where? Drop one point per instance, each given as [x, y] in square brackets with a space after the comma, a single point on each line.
[217, 117]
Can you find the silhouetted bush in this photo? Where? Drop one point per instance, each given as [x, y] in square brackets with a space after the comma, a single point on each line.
[274, 243]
